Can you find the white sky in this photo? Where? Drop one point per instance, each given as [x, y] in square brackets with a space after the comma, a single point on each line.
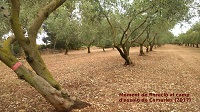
[184, 27]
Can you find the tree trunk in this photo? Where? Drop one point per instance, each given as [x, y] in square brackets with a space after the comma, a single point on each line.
[104, 49]
[88, 48]
[42, 81]
[151, 47]
[147, 49]
[66, 47]
[127, 60]
[54, 45]
[197, 45]
[61, 100]
[66, 50]
[125, 56]
[113, 46]
[35, 60]
[141, 50]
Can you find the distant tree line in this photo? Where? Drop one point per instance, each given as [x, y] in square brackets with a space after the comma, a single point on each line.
[190, 38]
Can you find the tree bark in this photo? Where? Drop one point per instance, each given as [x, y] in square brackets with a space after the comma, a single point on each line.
[66, 51]
[66, 47]
[152, 42]
[151, 47]
[42, 81]
[54, 45]
[125, 56]
[88, 48]
[61, 100]
[104, 49]
[147, 49]
[197, 45]
[141, 50]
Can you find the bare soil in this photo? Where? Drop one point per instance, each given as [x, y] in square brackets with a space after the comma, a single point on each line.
[99, 78]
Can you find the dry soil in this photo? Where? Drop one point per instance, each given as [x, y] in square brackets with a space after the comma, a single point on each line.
[99, 78]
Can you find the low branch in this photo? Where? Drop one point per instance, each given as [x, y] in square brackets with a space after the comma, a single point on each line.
[41, 16]
[112, 28]
[7, 43]
[128, 26]
[61, 100]
[125, 31]
[5, 55]
[140, 34]
[135, 30]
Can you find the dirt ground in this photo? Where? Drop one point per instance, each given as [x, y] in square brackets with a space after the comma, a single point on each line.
[165, 80]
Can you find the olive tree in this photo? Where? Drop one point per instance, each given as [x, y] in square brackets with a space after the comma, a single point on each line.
[42, 80]
[126, 18]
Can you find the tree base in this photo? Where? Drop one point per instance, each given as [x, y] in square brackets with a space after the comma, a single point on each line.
[130, 63]
[141, 54]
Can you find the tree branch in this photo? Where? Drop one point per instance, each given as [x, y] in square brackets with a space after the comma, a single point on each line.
[15, 22]
[135, 30]
[142, 11]
[112, 28]
[140, 34]
[153, 38]
[125, 31]
[7, 58]
[41, 16]
[7, 43]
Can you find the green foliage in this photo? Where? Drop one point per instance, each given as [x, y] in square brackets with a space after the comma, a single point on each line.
[105, 43]
[4, 21]
[17, 50]
[62, 29]
[192, 36]
[83, 22]
[176, 41]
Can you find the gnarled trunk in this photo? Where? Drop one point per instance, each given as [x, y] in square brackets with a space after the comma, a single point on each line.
[42, 81]
[60, 99]
[125, 55]
[127, 60]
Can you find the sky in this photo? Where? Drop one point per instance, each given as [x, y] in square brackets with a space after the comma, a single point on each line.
[184, 27]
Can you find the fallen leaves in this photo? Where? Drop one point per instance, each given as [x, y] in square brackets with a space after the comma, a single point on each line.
[99, 77]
